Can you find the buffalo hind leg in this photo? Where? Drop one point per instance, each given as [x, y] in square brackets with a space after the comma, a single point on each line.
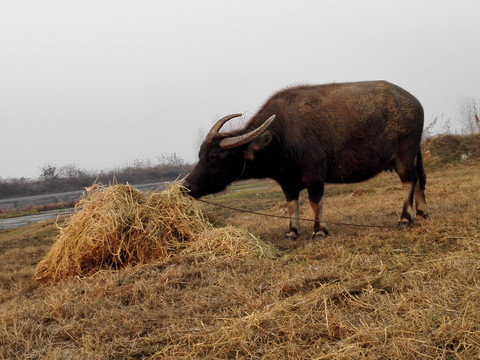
[315, 194]
[420, 203]
[408, 213]
[407, 172]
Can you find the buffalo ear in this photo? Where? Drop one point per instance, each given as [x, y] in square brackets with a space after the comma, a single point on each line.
[257, 145]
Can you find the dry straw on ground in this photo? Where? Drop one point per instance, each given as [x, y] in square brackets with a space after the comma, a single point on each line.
[119, 225]
[360, 293]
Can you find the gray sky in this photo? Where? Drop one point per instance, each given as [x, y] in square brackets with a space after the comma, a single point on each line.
[102, 83]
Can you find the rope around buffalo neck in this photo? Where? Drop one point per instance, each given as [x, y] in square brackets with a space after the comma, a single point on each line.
[243, 169]
[288, 217]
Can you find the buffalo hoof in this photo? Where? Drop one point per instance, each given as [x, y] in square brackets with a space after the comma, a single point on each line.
[291, 236]
[290, 242]
[404, 223]
[319, 235]
[422, 215]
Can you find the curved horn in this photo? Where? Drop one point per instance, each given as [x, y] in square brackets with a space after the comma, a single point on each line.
[216, 128]
[232, 142]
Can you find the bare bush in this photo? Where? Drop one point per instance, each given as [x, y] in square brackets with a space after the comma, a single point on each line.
[468, 115]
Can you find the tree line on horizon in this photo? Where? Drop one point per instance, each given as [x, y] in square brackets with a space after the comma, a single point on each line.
[70, 177]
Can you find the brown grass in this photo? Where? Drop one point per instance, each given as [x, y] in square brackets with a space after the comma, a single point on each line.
[361, 293]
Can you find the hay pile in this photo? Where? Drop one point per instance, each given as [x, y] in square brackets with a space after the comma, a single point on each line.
[119, 225]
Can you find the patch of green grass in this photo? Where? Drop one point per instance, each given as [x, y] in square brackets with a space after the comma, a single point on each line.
[17, 213]
[249, 185]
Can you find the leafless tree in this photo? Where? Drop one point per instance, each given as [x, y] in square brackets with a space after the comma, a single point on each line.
[48, 172]
[468, 115]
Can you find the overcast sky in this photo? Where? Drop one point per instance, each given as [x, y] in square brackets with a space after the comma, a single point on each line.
[102, 83]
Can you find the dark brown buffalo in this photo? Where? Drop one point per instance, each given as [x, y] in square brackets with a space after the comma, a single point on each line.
[306, 136]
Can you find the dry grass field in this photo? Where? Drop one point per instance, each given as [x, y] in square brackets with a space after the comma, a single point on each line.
[360, 293]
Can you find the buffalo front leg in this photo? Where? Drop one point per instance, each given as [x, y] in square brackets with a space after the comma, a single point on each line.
[315, 195]
[293, 212]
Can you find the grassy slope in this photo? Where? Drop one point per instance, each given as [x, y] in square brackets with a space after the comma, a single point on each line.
[360, 293]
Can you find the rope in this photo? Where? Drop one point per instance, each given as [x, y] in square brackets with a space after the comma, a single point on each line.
[288, 217]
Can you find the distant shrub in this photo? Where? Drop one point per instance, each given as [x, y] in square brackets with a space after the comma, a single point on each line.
[451, 149]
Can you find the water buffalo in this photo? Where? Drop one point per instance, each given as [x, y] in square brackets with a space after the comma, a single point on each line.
[305, 136]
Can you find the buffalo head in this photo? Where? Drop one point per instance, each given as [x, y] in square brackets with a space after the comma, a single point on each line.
[222, 158]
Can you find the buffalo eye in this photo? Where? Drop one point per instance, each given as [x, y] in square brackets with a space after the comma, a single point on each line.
[214, 155]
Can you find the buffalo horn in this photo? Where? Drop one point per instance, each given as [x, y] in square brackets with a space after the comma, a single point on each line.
[235, 141]
[216, 128]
